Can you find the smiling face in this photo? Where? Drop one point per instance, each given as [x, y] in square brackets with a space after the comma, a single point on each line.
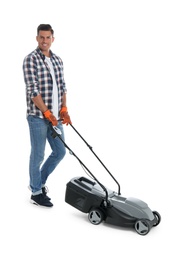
[45, 39]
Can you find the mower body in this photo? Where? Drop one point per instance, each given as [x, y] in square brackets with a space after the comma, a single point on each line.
[89, 197]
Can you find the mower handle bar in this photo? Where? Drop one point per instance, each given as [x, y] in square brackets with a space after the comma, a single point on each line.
[90, 147]
[57, 133]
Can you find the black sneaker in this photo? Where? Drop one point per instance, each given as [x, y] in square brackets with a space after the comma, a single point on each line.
[45, 191]
[40, 200]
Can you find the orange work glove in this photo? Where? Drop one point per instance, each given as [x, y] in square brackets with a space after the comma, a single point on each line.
[64, 116]
[48, 115]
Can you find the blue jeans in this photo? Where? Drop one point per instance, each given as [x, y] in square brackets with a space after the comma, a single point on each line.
[40, 132]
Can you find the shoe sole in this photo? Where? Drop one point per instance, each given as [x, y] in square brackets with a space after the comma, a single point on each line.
[37, 204]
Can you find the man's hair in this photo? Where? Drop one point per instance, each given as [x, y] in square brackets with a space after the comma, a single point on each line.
[45, 27]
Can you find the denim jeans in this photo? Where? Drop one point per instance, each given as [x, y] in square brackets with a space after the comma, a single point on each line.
[40, 132]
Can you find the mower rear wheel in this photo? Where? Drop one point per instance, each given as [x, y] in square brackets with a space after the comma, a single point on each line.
[96, 216]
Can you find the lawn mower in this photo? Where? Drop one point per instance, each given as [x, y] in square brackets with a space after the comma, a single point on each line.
[90, 196]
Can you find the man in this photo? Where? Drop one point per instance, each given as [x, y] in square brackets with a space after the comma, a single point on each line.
[46, 104]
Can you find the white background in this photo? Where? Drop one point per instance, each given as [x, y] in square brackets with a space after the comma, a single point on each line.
[123, 65]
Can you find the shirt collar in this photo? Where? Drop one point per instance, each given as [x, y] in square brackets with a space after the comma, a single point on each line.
[41, 54]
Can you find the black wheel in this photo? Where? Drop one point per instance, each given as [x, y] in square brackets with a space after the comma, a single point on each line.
[158, 217]
[142, 227]
[96, 216]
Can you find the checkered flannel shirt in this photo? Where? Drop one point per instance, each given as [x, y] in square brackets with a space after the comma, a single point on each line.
[38, 80]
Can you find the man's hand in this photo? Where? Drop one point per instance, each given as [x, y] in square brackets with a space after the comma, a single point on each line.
[48, 115]
[64, 116]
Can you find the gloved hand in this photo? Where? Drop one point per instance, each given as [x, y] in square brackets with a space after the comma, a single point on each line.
[48, 115]
[64, 116]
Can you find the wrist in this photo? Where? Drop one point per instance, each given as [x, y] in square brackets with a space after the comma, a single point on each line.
[47, 113]
[63, 109]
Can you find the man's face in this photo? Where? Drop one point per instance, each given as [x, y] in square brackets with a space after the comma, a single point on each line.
[44, 39]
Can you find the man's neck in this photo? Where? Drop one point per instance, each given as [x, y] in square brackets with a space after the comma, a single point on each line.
[46, 53]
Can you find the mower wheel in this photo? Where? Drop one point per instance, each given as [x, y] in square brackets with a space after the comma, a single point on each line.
[142, 227]
[158, 217]
[96, 216]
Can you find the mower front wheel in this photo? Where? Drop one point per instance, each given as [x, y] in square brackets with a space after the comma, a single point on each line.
[142, 227]
[158, 217]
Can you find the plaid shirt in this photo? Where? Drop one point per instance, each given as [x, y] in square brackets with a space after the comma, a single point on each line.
[38, 80]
